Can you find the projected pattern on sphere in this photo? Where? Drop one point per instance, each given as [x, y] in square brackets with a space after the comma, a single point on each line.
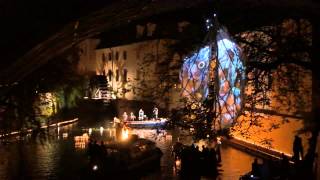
[194, 77]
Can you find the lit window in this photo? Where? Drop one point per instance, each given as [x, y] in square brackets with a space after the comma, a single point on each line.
[124, 55]
[110, 74]
[125, 75]
[110, 56]
[103, 57]
[151, 29]
[140, 31]
[117, 75]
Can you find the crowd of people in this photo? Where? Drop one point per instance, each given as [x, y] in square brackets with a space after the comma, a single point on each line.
[296, 167]
[141, 116]
[270, 168]
[96, 151]
[195, 161]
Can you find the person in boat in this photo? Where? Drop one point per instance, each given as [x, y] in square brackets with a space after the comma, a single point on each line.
[155, 112]
[125, 116]
[132, 117]
[116, 120]
[141, 115]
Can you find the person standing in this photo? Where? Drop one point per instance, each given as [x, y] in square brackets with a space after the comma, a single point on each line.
[132, 117]
[297, 149]
[125, 116]
[255, 170]
[155, 112]
[141, 115]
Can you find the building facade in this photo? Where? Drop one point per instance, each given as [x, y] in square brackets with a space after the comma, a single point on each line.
[134, 71]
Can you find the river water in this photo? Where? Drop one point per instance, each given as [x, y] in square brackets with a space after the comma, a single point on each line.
[60, 153]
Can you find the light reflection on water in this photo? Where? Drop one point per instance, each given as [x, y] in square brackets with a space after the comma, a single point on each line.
[60, 154]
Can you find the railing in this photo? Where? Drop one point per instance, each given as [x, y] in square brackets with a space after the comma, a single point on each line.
[14, 133]
[257, 150]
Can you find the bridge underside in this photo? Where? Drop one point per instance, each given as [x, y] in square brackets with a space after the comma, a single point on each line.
[237, 16]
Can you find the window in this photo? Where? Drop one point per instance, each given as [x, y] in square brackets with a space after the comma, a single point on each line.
[117, 75]
[124, 55]
[110, 56]
[151, 29]
[125, 75]
[103, 58]
[117, 55]
[109, 75]
[140, 31]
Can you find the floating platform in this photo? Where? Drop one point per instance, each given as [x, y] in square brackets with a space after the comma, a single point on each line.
[147, 123]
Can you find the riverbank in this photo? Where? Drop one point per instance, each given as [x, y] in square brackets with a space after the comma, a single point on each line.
[255, 150]
[16, 133]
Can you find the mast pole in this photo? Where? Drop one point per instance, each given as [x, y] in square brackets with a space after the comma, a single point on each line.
[211, 104]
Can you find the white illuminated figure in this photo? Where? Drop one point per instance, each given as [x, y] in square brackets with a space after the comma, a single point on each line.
[155, 112]
[132, 116]
[125, 116]
[141, 115]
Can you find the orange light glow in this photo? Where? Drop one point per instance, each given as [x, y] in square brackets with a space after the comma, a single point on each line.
[124, 134]
[81, 141]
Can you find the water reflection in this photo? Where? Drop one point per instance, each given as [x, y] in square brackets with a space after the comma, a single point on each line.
[101, 130]
[60, 153]
[80, 142]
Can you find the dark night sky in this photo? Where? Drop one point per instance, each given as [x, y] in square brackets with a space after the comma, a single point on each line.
[26, 23]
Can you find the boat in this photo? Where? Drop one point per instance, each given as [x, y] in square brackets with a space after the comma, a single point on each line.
[147, 123]
[130, 157]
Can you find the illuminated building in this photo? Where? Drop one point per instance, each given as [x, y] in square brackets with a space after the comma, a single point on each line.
[132, 71]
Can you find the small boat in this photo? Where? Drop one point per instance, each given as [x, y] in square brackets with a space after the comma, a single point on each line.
[134, 156]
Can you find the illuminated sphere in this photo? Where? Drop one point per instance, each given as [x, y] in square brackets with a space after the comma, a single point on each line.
[225, 66]
[231, 76]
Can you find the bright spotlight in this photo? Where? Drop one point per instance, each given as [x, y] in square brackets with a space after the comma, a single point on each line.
[95, 167]
[101, 130]
[124, 134]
